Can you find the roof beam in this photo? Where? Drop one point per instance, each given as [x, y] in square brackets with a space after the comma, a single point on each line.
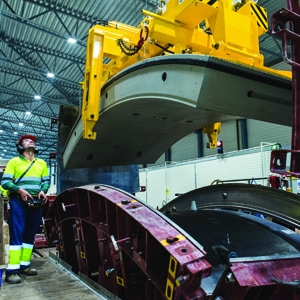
[62, 81]
[36, 125]
[46, 79]
[8, 132]
[36, 112]
[27, 22]
[14, 92]
[40, 49]
[59, 7]
[274, 61]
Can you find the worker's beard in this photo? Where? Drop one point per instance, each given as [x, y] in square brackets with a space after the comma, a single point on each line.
[30, 149]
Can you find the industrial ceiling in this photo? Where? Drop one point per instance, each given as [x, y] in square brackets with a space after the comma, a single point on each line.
[40, 70]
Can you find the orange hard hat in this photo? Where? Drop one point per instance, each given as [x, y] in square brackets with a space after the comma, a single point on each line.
[26, 136]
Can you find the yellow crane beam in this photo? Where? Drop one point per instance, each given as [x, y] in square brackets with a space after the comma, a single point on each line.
[215, 28]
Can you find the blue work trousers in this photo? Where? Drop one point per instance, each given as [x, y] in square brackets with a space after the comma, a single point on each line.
[23, 222]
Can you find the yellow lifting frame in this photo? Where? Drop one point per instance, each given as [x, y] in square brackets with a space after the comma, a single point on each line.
[92, 82]
[228, 31]
[212, 132]
[101, 43]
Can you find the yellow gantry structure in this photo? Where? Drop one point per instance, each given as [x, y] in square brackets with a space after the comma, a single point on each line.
[227, 29]
[212, 132]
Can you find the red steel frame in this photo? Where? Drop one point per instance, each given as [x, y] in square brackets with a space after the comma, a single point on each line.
[124, 245]
[136, 252]
[291, 34]
[254, 278]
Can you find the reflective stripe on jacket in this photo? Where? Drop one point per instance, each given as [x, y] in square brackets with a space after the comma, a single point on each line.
[35, 180]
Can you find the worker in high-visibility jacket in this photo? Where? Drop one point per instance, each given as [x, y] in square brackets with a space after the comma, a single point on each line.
[25, 177]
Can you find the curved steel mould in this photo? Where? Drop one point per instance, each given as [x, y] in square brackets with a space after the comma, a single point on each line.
[124, 245]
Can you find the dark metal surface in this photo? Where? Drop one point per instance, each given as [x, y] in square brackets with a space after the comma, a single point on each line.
[225, 226]
[278, 204]
[221, 232]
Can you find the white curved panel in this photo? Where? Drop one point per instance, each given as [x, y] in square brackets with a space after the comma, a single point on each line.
[149, 106]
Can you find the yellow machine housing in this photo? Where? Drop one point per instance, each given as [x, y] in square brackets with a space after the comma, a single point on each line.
[216, 28]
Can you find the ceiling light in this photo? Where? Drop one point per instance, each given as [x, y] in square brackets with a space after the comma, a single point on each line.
[28, 113]
[21, 124]
[37, 97]
[1, 130]
[72, 40]
[4, 150]
[50, 75]
[15, 132]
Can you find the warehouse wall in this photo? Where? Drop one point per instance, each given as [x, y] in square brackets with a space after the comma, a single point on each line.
[230, 134]
[186, 172]
[259, 131]
[163, 182]
[185, 148]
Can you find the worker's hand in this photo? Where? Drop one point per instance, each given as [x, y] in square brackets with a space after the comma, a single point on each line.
[42, 196]
[24, 195]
